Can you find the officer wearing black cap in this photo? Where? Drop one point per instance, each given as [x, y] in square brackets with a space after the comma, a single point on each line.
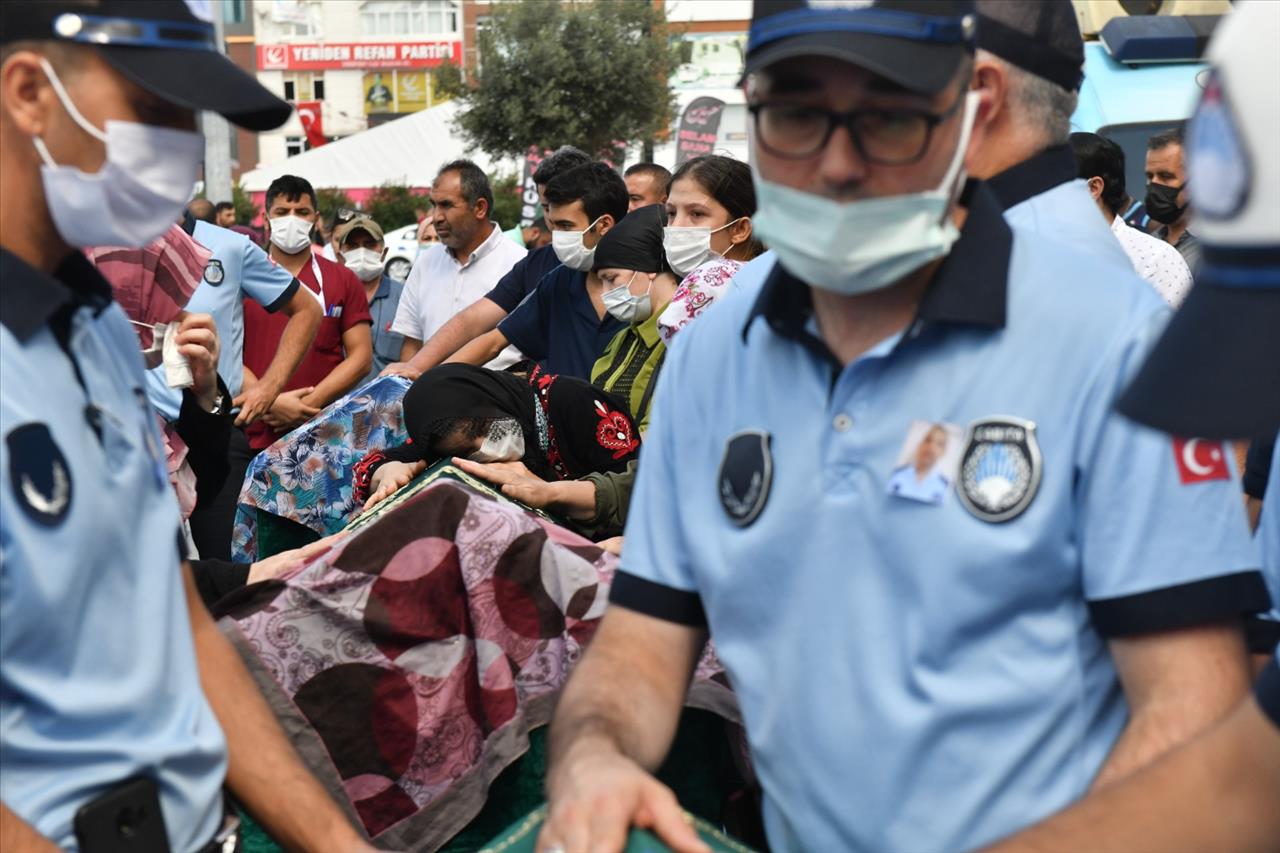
[913, 674]
[123, 710]
[1215, 372]
[1029, 67]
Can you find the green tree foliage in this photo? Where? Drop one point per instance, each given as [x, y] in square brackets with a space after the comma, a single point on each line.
[447, 81]
[246, 210]
[328, 200]
[392, 206]
[506, 199]
[585, 73]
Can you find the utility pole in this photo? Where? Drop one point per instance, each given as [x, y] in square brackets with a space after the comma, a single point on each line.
[217, 133]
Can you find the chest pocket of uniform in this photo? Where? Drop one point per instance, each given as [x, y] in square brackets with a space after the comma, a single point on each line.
[329, 335]
[121, 438]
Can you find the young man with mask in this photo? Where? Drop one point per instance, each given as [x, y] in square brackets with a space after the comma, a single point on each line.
[362, 250]
[563, 323]
[485, 313]
[912, 676]
[121, 699]
[342, 351]
[469, 260]
[1166, 200]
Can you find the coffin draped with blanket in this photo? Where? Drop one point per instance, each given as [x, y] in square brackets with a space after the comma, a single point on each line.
[410, 663]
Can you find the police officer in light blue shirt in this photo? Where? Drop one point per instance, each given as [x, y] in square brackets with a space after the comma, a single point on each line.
[1030, 63]
[1215, 372]
[911, 676]
[923, 479]
[108, 739]
[238, 270]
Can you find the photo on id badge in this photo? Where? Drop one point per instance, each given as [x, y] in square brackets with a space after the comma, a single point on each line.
[927, 463]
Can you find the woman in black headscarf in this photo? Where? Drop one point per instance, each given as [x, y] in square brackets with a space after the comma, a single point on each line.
[560, 427]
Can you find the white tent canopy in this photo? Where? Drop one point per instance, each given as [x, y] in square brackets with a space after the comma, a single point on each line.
[408, 151]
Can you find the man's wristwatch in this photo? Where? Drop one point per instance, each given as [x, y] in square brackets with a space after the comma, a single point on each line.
[220, 406]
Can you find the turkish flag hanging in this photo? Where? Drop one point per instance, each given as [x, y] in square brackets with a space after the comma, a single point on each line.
[1200, 461]
[312, 118]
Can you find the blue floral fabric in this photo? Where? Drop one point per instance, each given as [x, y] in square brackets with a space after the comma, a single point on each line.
[305, 477]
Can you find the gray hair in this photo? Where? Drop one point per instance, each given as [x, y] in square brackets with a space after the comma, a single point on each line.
[1041, 107]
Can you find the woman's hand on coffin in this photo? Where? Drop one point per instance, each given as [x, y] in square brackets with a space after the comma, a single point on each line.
[390, 478]
[287, 561]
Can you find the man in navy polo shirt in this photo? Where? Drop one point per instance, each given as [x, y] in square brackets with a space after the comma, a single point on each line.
[563, 324]
[912, 676]
[486, 312]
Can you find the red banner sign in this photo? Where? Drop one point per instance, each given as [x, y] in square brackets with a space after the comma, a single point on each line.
[367, 55]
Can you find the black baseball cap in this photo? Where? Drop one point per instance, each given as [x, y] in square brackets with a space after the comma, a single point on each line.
[167, 47]
[917, 44]
[1041, 37]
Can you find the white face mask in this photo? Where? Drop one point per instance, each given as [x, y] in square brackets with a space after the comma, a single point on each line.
[861, 246]
[689, 248]
[164, 350]
[570, 249]
[290, 234]
[627, 307]
[504, 443]
[365, 263]
[137, 194]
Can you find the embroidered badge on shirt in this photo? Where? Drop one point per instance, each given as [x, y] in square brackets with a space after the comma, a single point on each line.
[1200, 461]
[746, 473]
[1000, 468]
[214, 273]
[38, 474]
[927, 463]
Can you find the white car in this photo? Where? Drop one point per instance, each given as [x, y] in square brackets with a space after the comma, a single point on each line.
[402, 248]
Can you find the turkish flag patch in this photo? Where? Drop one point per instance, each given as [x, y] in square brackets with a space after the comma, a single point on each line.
[1200, 461]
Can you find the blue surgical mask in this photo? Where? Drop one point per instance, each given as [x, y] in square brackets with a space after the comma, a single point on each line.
[861, 246]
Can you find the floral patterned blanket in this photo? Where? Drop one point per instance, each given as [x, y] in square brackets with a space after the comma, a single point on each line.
[409, 663]
[305, 477]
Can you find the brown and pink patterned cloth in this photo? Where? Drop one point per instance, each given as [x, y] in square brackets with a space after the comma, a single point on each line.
[410, 662]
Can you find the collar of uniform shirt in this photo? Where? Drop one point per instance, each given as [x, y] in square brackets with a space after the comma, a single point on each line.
[970, 287]
[30, 297]
[1041, 173]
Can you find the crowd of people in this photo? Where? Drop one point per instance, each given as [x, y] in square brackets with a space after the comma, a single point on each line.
[961, 567]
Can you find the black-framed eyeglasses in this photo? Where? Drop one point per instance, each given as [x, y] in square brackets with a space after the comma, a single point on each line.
[887, 137]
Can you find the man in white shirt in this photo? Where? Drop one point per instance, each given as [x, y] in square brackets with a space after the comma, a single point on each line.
[1101, 164]
[465, 265]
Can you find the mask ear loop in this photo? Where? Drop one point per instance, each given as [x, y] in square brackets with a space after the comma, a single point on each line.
[953, 182]
[68, 104]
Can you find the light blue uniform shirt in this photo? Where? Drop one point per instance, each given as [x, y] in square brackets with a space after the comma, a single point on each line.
[916, 677]
[932, 489]
[98, 674]
[238, 270]
[1043, 195]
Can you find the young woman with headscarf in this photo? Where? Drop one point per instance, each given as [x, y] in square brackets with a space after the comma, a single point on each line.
[555, 427]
